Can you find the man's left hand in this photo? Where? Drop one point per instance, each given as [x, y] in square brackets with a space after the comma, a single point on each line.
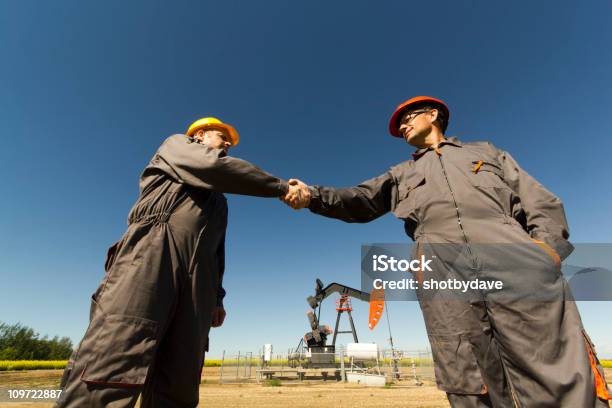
[218, 316]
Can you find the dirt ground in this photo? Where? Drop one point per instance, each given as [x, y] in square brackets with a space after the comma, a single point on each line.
[289, 394]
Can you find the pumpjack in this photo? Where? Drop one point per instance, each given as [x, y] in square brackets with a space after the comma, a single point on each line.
[313, 350]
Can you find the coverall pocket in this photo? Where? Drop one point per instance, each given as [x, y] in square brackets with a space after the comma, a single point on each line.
[407, 191]
[456, 368]
[123, 351]
[410, 182]
[111, 254]
[486, 174]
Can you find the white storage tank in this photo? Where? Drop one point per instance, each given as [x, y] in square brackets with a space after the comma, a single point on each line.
[267, 354]
[370, 380]
[362, 351]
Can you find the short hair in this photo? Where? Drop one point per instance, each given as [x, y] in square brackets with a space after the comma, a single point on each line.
[442, 119]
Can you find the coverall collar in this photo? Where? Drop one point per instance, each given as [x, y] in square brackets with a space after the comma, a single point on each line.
[451, 140]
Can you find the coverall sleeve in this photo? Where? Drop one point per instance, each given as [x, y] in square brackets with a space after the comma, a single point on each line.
[200, 166]
[363, 203]
[221, 257]
[544, 211]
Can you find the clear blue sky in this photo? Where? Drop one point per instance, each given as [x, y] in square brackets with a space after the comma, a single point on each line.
[90, 89]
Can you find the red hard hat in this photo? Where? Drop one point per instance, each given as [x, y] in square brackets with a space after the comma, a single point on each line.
[393, 123]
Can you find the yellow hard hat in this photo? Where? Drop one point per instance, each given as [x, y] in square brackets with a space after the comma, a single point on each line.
[204, 123]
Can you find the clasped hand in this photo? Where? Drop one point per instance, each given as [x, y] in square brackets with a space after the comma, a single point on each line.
[298, 196]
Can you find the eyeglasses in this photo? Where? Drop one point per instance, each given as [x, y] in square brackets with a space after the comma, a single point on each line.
[413, 115]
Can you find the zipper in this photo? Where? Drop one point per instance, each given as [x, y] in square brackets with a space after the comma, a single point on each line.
[465, 238]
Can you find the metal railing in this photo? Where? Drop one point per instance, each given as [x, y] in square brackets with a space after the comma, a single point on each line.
[410, 366]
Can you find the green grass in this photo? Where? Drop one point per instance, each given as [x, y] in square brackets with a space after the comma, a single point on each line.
[275, 382]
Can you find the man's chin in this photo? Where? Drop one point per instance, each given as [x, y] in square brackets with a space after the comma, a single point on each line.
[414, 140]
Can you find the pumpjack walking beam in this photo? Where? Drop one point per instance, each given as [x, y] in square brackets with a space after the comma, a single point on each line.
[323, 292]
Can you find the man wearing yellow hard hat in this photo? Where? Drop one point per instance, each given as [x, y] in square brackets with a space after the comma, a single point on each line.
[151, 315]
[213, 123]
[478, 216]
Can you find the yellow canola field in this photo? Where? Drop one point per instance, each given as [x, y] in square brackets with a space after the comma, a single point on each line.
[12, 365]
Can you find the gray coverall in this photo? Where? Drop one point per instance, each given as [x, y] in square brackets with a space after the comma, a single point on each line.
[476, 212]
[151, 315]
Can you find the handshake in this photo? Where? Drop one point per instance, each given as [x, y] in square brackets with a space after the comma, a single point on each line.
[298, 195]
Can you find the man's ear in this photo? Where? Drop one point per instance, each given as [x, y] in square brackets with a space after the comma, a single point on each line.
[433, 115]
[199, 134]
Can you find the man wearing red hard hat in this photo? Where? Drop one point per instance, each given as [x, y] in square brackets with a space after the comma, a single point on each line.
[480, 217]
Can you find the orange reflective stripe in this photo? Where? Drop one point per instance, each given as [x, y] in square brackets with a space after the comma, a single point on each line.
[600, 384]
[551, 252]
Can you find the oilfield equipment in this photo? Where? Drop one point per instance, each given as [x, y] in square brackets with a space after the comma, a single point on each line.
[314, 358]
[313, 350]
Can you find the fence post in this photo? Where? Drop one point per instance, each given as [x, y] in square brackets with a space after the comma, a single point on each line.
[247, 366]
[222, 364]
[342, 370]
